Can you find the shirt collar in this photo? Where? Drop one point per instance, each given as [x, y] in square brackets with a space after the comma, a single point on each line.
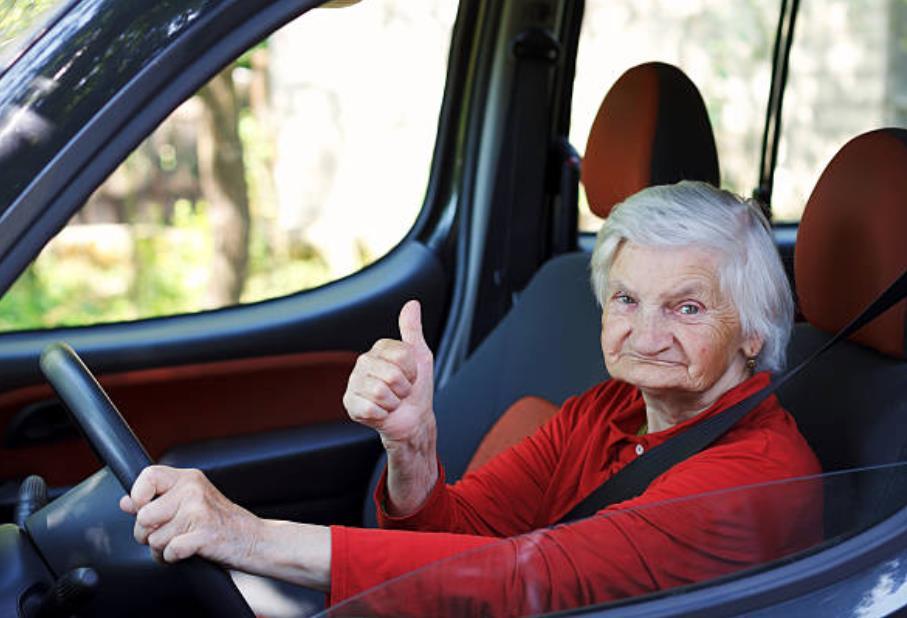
[627, 421]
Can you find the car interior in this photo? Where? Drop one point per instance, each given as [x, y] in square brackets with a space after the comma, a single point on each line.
[847, 403]
[251, 394]
[652, 128]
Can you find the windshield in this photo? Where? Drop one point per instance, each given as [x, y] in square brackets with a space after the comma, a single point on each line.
[647, 550]
[62, 81]
[20, 22]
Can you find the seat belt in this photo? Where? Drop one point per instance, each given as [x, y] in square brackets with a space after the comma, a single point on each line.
[521, 190]
[634, 478]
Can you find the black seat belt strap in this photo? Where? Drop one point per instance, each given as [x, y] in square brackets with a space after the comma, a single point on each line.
[514, 247]
[633, 479]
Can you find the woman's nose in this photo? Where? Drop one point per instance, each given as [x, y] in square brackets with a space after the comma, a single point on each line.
[651, 332]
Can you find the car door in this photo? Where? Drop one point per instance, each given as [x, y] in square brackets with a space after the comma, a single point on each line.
[248, 385]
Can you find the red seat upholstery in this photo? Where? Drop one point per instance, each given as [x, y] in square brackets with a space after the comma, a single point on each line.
[652, 128]
[851, 242]
[519, 421]
[851, 403]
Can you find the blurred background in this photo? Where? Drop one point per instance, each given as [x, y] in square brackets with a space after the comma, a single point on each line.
[308, 158]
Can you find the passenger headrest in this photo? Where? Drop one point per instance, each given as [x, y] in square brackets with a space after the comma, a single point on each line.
[852, 241]
[652, 128]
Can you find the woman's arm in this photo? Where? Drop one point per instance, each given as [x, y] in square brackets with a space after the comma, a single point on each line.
[179, 514]
[632, 548]
[679, 532]
[505, 497]
[391, 390]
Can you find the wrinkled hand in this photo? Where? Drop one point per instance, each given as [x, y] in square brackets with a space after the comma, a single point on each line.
[179, 514]
[391, 386]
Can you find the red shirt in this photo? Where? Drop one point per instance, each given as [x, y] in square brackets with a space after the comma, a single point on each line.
[627, 549]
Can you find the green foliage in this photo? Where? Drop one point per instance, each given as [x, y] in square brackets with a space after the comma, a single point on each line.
[58, 290]
[171, 263]
[245, 61]
[147, 244]
[285, 278]
[153, 269]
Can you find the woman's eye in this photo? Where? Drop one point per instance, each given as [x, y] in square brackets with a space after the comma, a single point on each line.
[689, 309]
[624, 299]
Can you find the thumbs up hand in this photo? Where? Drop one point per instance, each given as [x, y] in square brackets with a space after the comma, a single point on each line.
[392, 386]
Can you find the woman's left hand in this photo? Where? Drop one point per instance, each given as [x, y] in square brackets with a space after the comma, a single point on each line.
[179, 514]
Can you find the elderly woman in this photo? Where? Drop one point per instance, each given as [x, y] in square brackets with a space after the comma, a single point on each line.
[696, 311]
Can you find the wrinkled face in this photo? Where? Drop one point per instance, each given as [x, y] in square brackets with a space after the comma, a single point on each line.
[667, 327]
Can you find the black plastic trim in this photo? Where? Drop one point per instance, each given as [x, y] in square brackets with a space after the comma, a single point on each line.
[327, 318]
[486, 19]
[23, 570]
[273, 471]
[435, 222]
[65, 532]
[784, 39]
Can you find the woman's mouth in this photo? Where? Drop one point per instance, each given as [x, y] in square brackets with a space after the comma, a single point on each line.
[650, 360]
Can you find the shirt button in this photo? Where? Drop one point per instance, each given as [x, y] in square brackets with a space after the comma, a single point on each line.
[639, 449]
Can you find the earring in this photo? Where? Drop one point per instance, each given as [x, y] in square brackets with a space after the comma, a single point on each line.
[751, 364]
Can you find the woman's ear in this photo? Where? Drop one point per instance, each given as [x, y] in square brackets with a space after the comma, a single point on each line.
[752, 345]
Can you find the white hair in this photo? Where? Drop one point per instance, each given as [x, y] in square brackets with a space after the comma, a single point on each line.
[692, 213]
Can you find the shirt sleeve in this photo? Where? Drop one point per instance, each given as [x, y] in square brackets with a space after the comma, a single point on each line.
[474, 506]
[654, 542]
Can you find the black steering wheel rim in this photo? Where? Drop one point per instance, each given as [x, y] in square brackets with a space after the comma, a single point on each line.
[116, 446]
[104, 427]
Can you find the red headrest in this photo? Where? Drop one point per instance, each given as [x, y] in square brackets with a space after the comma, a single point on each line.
[852, 241]
[652, 128]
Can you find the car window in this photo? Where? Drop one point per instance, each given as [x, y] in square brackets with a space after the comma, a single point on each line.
[847, 75]
[877, 591]
[302, 162]
[20, 20]
[58, 84]
[725, 47]
[645, 551]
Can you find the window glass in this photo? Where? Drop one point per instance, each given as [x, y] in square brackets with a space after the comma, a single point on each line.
[622, 553]
[878, 591]
[19, 21]
[302, 162]
[59, 83]
[723, 46]
[847, 75]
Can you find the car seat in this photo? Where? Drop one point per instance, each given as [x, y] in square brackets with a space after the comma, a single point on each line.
[851, 403]
[651, 128]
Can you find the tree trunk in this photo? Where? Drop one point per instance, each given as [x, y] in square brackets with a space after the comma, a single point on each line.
[896, 94]
[223, 181]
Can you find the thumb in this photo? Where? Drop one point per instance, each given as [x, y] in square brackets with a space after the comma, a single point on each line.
[411, 324]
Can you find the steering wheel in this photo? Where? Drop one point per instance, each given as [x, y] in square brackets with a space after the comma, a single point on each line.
[116, 446]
